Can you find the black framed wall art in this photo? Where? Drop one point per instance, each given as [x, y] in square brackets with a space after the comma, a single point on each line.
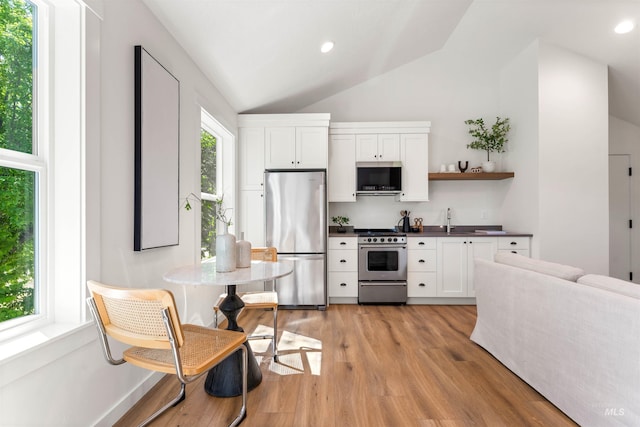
[157, 144]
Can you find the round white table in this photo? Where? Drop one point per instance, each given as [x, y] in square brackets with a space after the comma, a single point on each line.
[224, 379]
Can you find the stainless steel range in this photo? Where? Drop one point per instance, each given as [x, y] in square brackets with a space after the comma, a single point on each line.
[382, 266]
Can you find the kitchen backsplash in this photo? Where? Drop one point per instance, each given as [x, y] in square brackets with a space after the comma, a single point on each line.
[471, 203]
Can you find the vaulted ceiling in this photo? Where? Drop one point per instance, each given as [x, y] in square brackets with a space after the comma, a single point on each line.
[263, 55]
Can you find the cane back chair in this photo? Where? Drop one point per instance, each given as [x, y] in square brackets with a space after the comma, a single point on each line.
[147, 319]
[264, 300]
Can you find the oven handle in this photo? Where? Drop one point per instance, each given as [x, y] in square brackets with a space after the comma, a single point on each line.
[383, 246]
[367, 284]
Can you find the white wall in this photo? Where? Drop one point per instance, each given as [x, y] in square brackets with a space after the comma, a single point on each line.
[624, 138]
[573, 160]
[77, 387]
[440, 88]
[519, 102]
[557, 101]
[559, 149]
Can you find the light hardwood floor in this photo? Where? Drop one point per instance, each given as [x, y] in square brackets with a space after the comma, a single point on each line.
[357, 365]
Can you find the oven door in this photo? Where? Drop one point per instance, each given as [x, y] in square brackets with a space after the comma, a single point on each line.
[382, 263]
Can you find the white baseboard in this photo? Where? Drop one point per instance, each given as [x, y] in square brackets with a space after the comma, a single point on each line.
[130, 399]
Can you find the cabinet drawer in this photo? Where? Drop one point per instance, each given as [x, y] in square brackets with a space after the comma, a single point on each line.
[421, 284]
[343, 243]
[523, 252]
[342, 284]
[343, 261]
[421, 243]
[513, 243]
[422, 260]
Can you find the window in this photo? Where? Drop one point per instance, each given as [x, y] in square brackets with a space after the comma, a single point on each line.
[209, 168]
[22, 165]
[217, 158]
[42, 237]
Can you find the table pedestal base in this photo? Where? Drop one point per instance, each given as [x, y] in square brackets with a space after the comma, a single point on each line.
[225, 379]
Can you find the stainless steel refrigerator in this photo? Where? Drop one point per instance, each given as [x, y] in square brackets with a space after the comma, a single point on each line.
[296, 225]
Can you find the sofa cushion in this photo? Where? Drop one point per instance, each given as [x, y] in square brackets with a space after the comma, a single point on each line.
[611, 284]
[561, 271]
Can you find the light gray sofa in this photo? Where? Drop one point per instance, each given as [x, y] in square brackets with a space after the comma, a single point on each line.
[575, 338]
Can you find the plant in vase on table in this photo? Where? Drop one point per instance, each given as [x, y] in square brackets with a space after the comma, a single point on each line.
[489, 140]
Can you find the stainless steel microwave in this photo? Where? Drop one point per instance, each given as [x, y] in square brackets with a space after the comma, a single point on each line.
[379, 178]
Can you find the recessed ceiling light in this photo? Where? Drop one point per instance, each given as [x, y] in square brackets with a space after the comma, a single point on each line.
[624, 27]
[326, 47]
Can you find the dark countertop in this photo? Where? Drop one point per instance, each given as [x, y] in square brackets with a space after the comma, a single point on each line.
[436, 231]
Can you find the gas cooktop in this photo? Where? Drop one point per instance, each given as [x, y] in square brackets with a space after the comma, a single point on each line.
[378, 232]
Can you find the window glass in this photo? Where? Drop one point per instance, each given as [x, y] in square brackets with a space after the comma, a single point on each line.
[17, 243]
[18, 189]
[209, 168]
[16, 75]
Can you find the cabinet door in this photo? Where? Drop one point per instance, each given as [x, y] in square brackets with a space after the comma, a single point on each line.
[346, 260]
[312, 145]
[421, 284]
[389, 147]
[251, 153]
[343, 243]
[367, 148]
[342, 168]
[252, 217]
[479, 247]
[422, 260]
[280, 148]
[342, 284]
[452, 267]
[415, 167]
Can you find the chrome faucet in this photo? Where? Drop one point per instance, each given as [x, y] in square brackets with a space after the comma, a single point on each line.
[449, 226]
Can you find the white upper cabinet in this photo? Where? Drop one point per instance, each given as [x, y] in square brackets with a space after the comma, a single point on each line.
[405, 142]
[415, 167]
[342, 168]
[280, 148]
[296, 147]
[312, 147]
[251, 152]
[377, 148]
[290, 140]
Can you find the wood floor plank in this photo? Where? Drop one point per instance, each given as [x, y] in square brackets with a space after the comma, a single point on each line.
[367, 366]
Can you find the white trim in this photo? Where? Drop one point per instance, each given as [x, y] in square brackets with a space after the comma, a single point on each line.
[347, 128]
[29, 352]
[303, 120]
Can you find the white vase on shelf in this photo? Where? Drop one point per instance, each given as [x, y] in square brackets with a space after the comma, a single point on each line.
[225, 249]
[488, 166]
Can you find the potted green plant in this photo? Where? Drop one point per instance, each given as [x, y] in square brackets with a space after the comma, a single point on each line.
[489, 140]
[341, 221]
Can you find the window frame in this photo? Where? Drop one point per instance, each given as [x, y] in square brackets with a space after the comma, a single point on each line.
[38, 162]
[225, 167]
[60, 47]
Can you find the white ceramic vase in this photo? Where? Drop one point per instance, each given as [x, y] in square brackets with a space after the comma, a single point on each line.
[225, 250]
[489, 166]
[243, 253]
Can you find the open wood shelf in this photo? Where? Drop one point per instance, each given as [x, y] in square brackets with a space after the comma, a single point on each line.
[468, 176]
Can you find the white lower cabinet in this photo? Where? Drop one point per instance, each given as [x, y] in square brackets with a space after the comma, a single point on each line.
[455, 263]
[421, 267]
[516, 245]
[342, 267]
